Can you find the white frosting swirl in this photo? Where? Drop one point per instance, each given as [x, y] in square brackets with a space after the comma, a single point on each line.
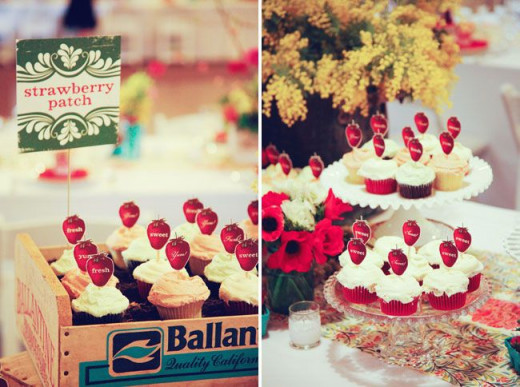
[240, 287]
[468, 264]
[100, 301]
[222, 266]
[429, 142]
[385, 244]
[372, 258]
[391, 148]
[402, 288]
[152, 270]
[366, 276]
[378, 169]
[65, 263]
[186, 230]
[418, 267]
[140, 250]
[415, 174]
[431, 252]
[443, 281]
[460, 150]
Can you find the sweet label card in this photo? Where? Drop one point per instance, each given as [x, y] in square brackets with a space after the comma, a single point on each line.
[67, 92]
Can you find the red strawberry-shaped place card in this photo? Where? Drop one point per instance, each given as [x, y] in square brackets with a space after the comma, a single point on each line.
[361, 230]
[415, 148]
[252, 211]
[129, 214]
[454, 127]
[158, 232]
[449, 253]
[272, 154]
[398, 261]
[231, 235]
[421, 122]
[247, 254]
[207, 221]
[73, 227]
[191, 208]
[379, 144]
[411, 232]
[462, 238]
[285, 162]
[407, 134]
[83, 251]
[316, 165]
[354, 135]
[100, 268]
[357, 250]
[379, 124]
[447, 142]
[178, 252]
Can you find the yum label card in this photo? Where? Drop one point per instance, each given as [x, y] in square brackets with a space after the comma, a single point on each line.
[67, 92]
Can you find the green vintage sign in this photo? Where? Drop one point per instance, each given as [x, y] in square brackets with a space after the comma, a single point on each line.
[67, 92]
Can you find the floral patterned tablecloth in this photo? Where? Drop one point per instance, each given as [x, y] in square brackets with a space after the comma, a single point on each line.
[472, 351]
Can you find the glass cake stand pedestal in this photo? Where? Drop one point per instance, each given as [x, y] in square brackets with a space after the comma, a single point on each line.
[405, 343]
[476, 182]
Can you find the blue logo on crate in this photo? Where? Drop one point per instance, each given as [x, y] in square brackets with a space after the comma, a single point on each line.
[135, 352]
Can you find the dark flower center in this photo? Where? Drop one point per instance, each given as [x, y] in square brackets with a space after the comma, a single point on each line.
[293, 247]
[269, 224]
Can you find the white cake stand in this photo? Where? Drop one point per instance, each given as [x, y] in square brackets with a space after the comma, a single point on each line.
[405, 342]
[476, 182]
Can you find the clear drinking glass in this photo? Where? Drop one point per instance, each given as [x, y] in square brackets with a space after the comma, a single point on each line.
[304, 324]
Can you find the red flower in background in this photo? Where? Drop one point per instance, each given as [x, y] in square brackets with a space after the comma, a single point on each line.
[328, 240]
[273, 199]
[272, 223]
[335, 207]
[156, 69]
[265, 159]
[237, 66]
[230, 114]
[251, 57]
[294, 254]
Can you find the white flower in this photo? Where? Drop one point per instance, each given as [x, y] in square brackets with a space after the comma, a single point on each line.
[300, 213]
[68, 133]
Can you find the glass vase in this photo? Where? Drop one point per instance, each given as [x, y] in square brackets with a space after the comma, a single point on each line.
[284, 289]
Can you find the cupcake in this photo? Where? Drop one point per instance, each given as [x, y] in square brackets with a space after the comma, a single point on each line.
[178, 297]
[76, 281]
[446, 289]
[385, 244]
[99, 305]
[398, 294]
[431, 252]
[274, 173]
[203, 249]
[471, 267]
[64, 263]
[415, 180]
[379, 176]
[186, 230]
[359, 283]
[458, 150]
[120, 239]
[430, 144]
[403, 156]
[391, 148]
[239, 292]
[353, 161]
[140, 251]
[449, 171]
[222, 266]
[418, 267]
[149, 273]
[371, 258]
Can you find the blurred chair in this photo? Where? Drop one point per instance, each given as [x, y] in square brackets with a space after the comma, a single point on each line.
[511, 100]
[175, 41]
[132, 35]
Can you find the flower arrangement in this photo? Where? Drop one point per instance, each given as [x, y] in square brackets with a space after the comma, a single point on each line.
[136, 97]
[345, 49]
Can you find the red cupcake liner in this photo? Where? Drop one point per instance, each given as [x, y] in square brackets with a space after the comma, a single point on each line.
[397, 308]
[474, 283]
[446, 302]
[415, 191]
[359, 295]
[381, 187]
[144, 289]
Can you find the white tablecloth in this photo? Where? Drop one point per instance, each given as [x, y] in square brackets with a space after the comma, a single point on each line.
[334, 364]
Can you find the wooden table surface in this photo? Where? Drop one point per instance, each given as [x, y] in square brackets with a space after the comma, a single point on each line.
[18, 370]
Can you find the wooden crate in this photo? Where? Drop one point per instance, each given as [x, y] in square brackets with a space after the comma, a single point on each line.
[205, 351]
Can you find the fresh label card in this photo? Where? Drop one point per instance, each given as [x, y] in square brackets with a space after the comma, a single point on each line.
[67, 92]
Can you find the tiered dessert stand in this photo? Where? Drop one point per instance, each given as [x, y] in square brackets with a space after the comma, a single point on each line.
[406, 342]
[476, 182]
